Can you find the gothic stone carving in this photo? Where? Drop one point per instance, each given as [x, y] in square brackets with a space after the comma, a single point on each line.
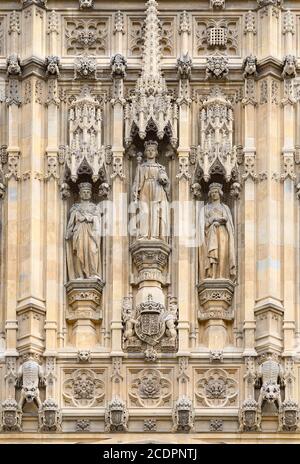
[289, 416]
[11, 420]
[289, 67]
[217, 4]
[150, 425]
[270, 376]
[217, 250]
[86, 4]
[85, 66]
[183, 417]
[86, 36]
[151, 388]
[83, 236]
[250, 66]
[116, 416]
[30, 376]
[217, 67]
[52, 66]
[83, 387]
[13, 63]
[249, 418]
[49, 417]
[118, 65]
[217, 388]
[216, 425]
[151, 193]
[83, 425]
[184, 66]
[14, 22]
[84, 356]
[219, 34]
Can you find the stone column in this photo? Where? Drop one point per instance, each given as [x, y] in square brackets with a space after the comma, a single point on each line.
[53, 201]
[183, 223]
[119, 216]
[249, 177]
[31, 296]
[11, 222]
[268, 308]
[119, 31]
[289, 217]
[288, 31]
[269, 28]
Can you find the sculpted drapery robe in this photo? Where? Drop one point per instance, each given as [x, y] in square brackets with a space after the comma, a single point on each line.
[150, 189]
[83, 241]
[216, 242]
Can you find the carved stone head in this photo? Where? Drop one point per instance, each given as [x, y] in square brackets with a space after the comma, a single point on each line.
[271, 392]
[86, 4]
[30, 393]
[289, 67]
[249, 65]
[215, 192]
[151, 150]
[13, 65]
[52, 63]
[118, 65]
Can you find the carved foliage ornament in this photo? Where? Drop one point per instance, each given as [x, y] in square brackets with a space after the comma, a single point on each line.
[85, 66]
[14, 22]
[217, 67]
[217, 388]
[250, 22]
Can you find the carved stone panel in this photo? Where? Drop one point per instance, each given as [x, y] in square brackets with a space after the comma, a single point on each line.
[217, 34]
[86, 35]
[150, 388]
[216, 388]
[2, 37]
[83, 387]
[136, 36]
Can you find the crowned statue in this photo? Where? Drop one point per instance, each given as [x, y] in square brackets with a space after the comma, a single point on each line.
[217, 249]
[151, 192]
[83, 237]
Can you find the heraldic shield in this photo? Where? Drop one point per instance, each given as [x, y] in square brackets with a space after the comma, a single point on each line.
[150, 325]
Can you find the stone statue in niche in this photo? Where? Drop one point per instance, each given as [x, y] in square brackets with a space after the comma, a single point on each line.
[217, 250]
[83, 237]
[151, 192]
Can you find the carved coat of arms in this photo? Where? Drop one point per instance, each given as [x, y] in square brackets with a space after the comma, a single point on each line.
[150, 325]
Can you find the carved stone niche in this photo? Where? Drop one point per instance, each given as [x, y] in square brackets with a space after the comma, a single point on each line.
[215, 310]
[11, 420]
[84, 298]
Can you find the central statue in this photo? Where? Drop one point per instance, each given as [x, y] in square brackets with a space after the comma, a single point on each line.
[217, 250]
[83, 237]
[151, 191]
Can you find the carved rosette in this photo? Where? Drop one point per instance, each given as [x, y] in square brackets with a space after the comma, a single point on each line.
[217, 388]
[215, 299]
[11, 420]
[84, 298]
[150, 259]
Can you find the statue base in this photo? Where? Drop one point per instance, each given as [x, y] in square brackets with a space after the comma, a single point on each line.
[84, 298]
[215, 300]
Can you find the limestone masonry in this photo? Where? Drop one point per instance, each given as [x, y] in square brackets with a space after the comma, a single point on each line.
[149, 221]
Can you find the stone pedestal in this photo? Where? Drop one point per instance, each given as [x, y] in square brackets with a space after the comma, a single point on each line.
[151, 259]
[215, 311]
[84, 298]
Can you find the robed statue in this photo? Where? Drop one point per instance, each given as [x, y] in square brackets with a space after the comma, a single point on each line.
[83, 237]
[217, 249]
[151, 192]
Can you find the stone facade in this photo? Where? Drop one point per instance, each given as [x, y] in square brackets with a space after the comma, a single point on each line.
[149, 198]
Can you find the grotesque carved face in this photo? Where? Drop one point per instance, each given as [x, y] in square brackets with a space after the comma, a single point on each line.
[289, 66]
[30, 393]
[86, 3]
[271, 392]
[251, 66]
[52, 68]
[218, 3]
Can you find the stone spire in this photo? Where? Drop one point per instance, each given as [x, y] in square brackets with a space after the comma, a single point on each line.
[151, 105]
